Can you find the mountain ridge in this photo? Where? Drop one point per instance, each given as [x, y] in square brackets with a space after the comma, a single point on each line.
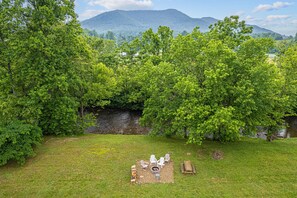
[136, 21]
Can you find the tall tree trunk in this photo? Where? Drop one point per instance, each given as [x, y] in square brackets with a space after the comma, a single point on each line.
[11, 77]
[186, 134]
[81, 110]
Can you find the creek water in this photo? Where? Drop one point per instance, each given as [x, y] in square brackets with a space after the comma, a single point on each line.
[291, 130]
[117, 121]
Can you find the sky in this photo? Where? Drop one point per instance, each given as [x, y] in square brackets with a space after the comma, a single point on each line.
[279, 16]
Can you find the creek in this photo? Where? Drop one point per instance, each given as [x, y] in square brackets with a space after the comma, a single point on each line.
[126, 122]
[291, 130]
[117, 121]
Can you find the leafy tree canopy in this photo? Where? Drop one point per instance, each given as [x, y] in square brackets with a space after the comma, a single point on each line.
[48, 71]
[218, 84]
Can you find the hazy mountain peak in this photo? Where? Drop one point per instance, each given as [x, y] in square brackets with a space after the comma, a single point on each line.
[135, 21]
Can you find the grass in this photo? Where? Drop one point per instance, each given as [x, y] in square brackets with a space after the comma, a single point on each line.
[99, 166]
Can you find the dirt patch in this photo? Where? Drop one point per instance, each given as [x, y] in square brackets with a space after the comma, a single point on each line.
[202, 153]
[217, 180]
[217, 155]
[146, 176]
[59, 141]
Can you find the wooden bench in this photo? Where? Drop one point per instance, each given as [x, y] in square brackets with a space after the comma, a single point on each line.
[187, 168]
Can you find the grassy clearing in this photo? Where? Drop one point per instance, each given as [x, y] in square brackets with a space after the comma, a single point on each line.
[99, 166]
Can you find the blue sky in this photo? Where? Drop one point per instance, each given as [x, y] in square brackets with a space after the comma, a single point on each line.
[279, 16]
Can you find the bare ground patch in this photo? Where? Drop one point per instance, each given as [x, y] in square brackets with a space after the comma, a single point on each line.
[218, 155]
[146, 176]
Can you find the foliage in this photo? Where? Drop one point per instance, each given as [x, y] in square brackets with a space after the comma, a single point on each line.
[131, 66]
[272, 35]
[283, 45]
[217, 84]
[17, 140]
[91, 32]
[231, 31]
[288, 65]
[156, 43]
[48, 70]
[58, 70]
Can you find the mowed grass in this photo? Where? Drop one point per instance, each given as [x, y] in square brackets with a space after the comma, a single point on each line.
[99, 166]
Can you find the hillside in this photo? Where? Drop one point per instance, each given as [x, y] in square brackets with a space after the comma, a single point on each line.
[133, 22]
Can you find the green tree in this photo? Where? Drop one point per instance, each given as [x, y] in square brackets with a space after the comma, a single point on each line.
[150, 43]
[110, 36]
[165, 35]
[18, 121]
[217, 84]
[50, 50]
[283, 45]
[10, 23]
[231, 31]
[105, 51]
[91, 32]
[133, 68]
[47, 71]
[157, 44]
[288, 66]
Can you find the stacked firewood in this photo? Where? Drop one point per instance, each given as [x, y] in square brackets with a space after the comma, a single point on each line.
[133, 174]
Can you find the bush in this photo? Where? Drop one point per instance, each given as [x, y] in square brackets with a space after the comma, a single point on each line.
[17, 140]
[59, 117]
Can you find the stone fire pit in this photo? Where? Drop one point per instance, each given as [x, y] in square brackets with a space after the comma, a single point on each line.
[155, 169]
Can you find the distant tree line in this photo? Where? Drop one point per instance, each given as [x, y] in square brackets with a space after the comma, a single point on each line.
[109, 35]
[272, 35]
[121, 38]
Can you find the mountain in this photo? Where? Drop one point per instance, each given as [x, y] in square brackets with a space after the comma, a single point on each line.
[133, 22]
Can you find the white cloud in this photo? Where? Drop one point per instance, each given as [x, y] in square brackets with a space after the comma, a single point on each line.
[252, 20]
[123, 4]
[275, 21]
[294, 22]
[239, 13]
[249, 18]
[275, 6]
[283, 24]
[89, 13]
[277, 17]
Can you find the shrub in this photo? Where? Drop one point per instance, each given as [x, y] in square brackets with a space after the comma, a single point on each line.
[17, 141]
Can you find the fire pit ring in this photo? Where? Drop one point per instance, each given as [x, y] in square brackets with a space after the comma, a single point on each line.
[155, 169]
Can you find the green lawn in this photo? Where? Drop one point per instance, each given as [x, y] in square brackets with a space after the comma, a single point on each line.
[99, 166]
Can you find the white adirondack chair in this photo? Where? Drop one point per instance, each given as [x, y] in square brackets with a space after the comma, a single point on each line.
[161, 162]
[144, 164]
[167, 157]
[153, 160]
